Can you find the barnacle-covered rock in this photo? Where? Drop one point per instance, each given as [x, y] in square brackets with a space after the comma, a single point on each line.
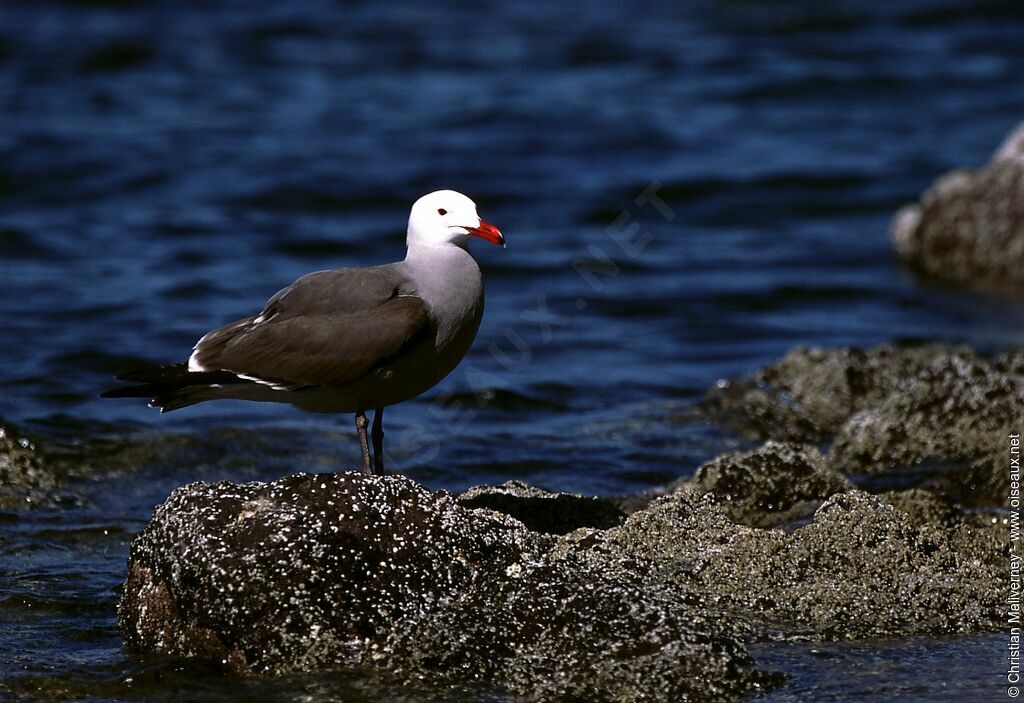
[859, 569]
[315, 571]
[969, 226]
[942, 412]
[810, 393]
[775, 484]
[319, 571]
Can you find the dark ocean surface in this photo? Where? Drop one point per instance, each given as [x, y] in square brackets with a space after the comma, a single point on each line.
[166, 167]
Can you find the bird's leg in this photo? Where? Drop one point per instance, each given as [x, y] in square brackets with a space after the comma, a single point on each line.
[378, 440]
[363, 444]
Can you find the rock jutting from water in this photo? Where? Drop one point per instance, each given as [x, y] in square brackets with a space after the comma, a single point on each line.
[940, 412]
[27, 477]
[776, 484]
[968, 228]
[550, 596]
[319, 571]
[324, 570]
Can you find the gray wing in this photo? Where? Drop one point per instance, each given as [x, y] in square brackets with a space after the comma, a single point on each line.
[326, 329]
[338, 291]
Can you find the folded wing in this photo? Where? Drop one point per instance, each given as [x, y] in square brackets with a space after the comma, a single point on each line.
[286, 347]
[327, 328]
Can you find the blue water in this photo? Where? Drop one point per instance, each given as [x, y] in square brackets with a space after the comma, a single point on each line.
[164, 169]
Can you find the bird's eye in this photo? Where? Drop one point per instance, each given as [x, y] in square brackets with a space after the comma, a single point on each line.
[441, 211]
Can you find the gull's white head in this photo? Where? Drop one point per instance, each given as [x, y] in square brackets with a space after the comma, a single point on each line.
[447, 217]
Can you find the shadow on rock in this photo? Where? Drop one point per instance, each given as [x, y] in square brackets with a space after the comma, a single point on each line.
[544, 511]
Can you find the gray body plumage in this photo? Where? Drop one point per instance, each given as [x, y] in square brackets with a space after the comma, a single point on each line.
[345, 340]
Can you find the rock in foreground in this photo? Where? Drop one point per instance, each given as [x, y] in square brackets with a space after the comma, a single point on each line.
[319, 571]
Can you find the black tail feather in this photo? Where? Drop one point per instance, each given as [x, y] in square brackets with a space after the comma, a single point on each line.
[162, 382]
[181, 398]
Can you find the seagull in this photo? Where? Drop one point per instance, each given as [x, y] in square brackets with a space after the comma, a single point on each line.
[346, 340]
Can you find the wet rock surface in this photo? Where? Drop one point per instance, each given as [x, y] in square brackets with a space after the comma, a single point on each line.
[775, 484]
[859, 569]
[27, 477]
[935, 416]
[316, 571]
[968, 228]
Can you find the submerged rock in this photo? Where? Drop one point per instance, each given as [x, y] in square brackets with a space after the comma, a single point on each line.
[45, 470]
[27, 478]
[20, 461]
[969, 227]
[316, 571]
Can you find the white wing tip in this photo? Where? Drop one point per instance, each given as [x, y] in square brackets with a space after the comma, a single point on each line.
[193, 364]
[263, 382]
